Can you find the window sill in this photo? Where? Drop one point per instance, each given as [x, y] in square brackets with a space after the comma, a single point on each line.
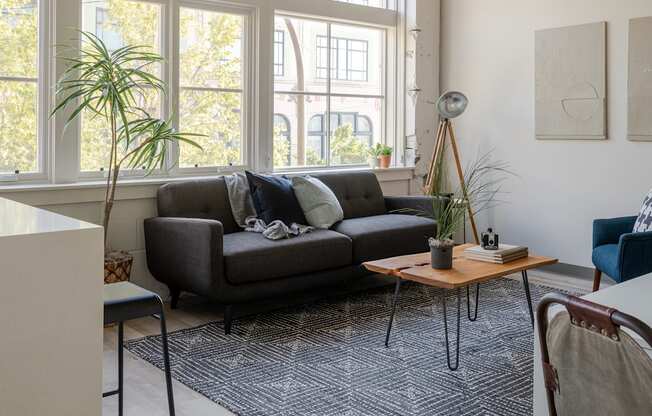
[141, 188]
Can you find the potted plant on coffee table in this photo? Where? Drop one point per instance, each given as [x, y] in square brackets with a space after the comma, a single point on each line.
[383, 154]
[482, 182]
[109, 84]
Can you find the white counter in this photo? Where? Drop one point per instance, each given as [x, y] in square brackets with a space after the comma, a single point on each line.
[51, 272]
[632, 297]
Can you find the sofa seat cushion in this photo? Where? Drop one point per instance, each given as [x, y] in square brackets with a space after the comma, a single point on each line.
[249, 257]
[387, 235]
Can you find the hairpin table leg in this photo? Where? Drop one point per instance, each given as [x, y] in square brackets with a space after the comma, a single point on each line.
[526, 285]
[468, 303]
[394, 302]
[457, 342]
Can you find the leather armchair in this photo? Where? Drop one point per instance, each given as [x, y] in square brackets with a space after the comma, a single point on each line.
[618, 252]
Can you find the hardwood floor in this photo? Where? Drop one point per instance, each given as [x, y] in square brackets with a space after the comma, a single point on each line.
[145, 384]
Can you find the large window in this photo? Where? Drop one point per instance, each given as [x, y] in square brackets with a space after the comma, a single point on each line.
[330, 92]
[20, 147]
[336, 100]
[211, 87]
[117, 23]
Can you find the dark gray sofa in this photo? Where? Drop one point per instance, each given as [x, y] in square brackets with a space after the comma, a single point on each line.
[195, 245]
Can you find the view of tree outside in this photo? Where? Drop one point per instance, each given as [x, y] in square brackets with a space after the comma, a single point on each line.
[210, 98]
[19, 148]
[211, 87]
[118, 23]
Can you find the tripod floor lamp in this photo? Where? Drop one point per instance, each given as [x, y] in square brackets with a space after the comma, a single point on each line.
[449, 106]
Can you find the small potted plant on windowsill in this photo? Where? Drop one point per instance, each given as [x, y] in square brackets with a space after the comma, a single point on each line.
[382, 154]
[107, 84]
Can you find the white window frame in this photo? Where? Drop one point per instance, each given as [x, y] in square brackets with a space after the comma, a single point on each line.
[43, 108]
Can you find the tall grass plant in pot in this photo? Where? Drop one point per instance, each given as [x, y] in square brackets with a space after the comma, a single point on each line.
[483, 180]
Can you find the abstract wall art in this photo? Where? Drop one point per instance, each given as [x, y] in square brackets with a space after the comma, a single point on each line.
[570, 83]
[640, 80]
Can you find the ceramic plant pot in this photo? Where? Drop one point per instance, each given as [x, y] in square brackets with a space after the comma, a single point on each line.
[441, 256]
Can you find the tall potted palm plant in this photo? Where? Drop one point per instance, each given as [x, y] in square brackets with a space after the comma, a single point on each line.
[108, 84]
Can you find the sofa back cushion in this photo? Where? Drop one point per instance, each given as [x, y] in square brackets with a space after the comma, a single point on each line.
[318, 202]
[274, 199]
[206, 198]
[359, 193]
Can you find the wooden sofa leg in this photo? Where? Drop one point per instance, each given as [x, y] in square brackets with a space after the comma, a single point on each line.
[228, 319]
[175, 294]
[597, 276]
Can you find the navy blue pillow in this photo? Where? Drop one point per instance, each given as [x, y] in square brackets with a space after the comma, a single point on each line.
[274, 199]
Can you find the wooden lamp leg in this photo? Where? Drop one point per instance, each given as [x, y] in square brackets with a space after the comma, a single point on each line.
[597, 276]
[436, 155]
[460, 174]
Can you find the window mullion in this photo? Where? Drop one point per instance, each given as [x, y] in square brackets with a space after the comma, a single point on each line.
[328, 95]
[165, 34]
[173, 81]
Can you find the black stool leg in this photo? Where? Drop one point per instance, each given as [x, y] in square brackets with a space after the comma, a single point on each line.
[121, 336]
[166, 361]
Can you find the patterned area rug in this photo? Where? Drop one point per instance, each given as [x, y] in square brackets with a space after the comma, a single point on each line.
[329, 358]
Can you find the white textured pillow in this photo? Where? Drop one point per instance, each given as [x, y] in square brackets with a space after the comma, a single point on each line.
[319, 204]
[644, 220]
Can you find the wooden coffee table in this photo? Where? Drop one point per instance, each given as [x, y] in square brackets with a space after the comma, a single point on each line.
[465, 272]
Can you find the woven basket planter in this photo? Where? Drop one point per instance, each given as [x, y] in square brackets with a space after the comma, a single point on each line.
[117, 266]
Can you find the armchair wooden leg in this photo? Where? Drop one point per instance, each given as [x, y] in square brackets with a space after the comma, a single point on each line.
[597, 276]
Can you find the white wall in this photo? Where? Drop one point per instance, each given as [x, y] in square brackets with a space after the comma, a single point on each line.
[488, 53]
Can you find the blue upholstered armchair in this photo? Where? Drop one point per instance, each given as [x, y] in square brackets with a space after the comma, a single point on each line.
[618, 252]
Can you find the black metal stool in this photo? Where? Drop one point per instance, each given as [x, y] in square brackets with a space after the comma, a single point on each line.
[123, 302]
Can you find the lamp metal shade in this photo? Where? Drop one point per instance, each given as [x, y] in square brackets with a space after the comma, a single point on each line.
[452, 104]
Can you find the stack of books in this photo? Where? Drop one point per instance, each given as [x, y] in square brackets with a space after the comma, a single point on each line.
[504, 254]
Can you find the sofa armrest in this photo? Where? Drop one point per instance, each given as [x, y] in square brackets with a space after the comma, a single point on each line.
[635, 254]
[185, 253]
[608, 231]
[416, 205]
